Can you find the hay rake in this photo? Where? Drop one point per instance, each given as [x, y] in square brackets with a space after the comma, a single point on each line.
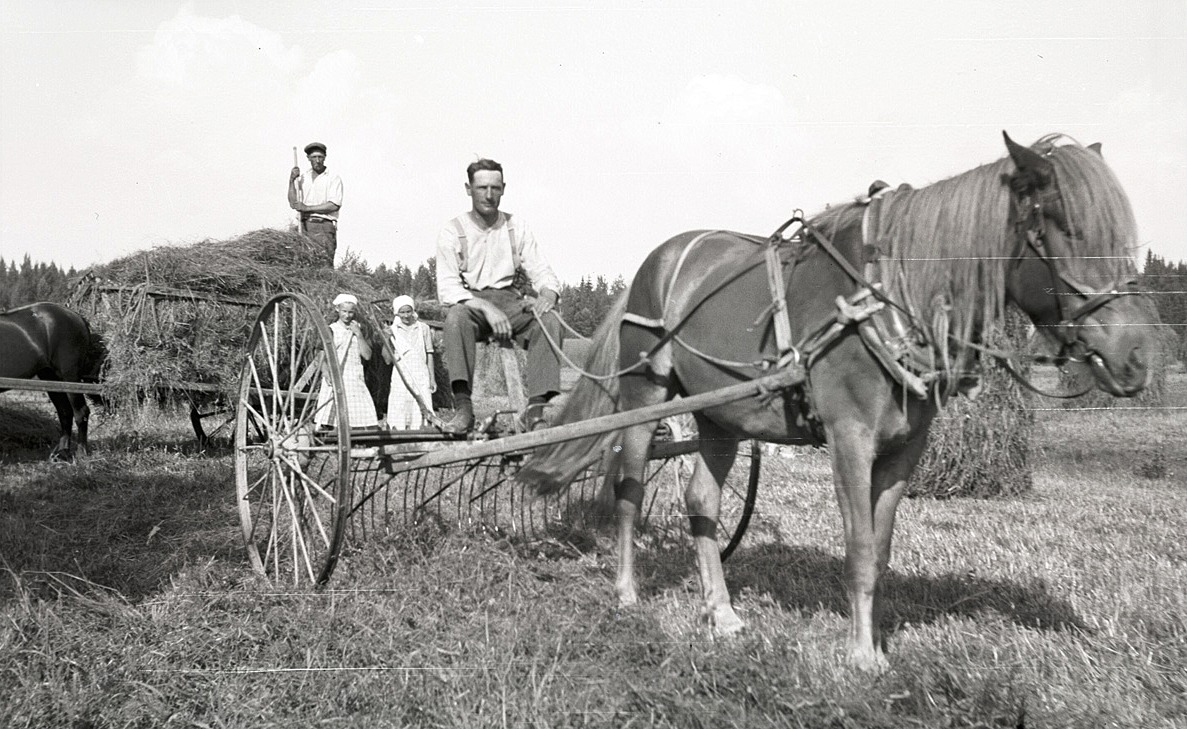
[304, 493]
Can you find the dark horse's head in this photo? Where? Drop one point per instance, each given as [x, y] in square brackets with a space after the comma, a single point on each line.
[1073, 273]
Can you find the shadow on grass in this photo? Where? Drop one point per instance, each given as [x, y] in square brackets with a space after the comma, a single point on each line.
[27, 434]
[125, 523]
[811, 580]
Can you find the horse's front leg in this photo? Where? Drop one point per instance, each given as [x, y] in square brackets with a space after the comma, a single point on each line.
[82, 416]
[64, 449]
[868, 491]
[703, 497]
[889, 482]
[852, 450]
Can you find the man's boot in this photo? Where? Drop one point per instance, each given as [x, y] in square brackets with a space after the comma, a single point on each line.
[463, 416]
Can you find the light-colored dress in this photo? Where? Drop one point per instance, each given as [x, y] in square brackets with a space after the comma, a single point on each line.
[413, 345]
[360, 408]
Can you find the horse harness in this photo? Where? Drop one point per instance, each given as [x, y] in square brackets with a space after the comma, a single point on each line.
[891, 331]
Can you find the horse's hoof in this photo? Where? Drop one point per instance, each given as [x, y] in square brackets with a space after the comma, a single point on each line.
[870, 661]
[726, 623]
[61, 457]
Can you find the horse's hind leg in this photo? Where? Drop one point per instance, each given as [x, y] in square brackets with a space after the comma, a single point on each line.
[61, 401]
[628, 501]
[703, 497]
[637, 391]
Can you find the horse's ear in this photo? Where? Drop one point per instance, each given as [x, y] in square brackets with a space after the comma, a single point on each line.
[1034, 170]
[1095, 147]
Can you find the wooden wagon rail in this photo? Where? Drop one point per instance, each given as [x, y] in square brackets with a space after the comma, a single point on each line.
[91, 388]
[166, 293]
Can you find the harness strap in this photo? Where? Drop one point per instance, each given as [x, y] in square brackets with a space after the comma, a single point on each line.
[463, 244]
[778, 299]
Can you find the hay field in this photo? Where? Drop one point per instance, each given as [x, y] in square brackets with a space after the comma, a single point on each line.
[125, 600]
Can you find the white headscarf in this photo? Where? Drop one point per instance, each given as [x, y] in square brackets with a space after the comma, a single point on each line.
[402, 301]
[345, 299]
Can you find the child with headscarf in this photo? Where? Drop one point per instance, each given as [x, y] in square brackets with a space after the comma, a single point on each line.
[411, 344]
[350, 349]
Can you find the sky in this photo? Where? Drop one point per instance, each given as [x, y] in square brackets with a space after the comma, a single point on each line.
[134, 124]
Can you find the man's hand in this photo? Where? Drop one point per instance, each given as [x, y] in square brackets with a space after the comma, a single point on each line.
[294, 174]
[545, 302]
[500, 325]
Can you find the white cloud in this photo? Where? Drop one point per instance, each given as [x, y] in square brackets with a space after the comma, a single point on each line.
[191, 49]
[717, 98]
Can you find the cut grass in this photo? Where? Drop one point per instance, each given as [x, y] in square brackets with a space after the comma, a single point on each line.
[125, 600]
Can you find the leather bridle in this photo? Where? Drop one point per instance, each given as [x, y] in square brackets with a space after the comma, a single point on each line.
[1031, 225]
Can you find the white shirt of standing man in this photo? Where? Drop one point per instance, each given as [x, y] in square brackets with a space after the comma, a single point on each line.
[319, 194]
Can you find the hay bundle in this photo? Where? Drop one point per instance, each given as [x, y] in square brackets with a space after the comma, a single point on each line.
[183, 314]
[981, 448]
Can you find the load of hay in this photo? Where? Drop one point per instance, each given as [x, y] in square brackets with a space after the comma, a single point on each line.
[981, 447]
[176, 315]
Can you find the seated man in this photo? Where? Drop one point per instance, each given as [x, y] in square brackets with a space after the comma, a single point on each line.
[478, 254]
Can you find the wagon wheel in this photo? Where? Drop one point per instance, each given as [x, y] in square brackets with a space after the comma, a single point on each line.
[292, 474]
[669, 469]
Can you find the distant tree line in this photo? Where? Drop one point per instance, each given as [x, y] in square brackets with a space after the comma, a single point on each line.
[31, 282]
[583, 305]
[1167, 284]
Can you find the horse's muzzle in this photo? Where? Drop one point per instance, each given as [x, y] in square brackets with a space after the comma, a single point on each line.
[1131, 379]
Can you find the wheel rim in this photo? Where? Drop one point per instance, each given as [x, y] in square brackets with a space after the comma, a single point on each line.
[292, 480]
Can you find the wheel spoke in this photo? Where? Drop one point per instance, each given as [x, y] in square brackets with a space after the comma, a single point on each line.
[296, 469]
[254, 485]
[311, 503]
[272, 362]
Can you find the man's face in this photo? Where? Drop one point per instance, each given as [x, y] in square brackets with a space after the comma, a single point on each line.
[486, 191]
[317, 161]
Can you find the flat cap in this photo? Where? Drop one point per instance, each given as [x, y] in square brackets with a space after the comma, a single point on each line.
[309, 148]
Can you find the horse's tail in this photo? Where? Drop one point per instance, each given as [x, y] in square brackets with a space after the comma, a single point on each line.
[551, 468]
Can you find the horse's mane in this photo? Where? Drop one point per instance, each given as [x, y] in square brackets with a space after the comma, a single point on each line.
[948, 244]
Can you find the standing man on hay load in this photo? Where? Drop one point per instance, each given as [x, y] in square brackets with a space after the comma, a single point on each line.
[317, 196]
[478, 256]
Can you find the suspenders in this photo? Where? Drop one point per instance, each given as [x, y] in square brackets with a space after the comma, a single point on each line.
[463, 246]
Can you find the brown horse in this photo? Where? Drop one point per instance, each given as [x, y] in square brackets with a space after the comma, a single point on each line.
[50, 342]
[886, 301]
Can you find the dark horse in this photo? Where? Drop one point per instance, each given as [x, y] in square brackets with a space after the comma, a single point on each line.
[51, 342]
[886, 302]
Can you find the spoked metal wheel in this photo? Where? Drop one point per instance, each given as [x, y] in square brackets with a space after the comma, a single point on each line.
[292, 445]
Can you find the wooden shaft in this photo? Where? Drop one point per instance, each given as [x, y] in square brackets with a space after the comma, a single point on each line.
[604, 423]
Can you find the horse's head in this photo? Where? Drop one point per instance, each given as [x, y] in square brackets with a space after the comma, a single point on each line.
[1072, 273]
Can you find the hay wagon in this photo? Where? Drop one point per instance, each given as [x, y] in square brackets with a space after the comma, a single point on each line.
[304, 492]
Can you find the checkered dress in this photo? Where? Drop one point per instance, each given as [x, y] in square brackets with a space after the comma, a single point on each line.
[360, 407]
[413, 345]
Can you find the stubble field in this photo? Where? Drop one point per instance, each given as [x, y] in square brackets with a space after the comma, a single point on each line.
[126, 601]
